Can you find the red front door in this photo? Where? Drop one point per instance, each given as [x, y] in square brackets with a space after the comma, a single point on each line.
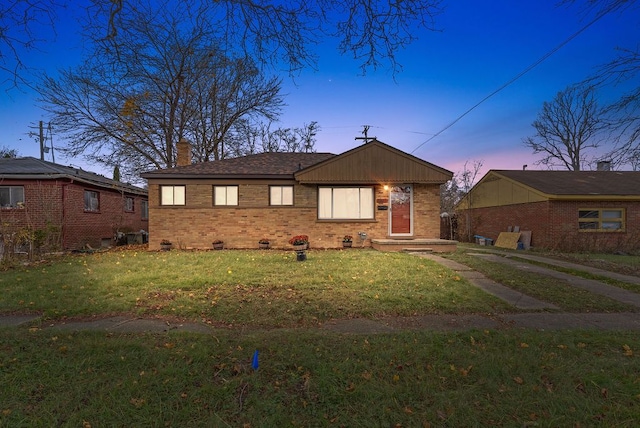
[400, 199]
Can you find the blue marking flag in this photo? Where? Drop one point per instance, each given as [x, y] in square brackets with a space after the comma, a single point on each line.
[254, 361]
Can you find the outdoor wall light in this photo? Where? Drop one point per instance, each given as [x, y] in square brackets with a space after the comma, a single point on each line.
[386, 187]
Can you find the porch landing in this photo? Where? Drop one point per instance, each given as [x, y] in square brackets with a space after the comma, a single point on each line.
[415, 245]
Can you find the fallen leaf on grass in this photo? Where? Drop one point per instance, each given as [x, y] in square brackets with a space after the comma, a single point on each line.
[464, 372]
[138, 402]
[518, 380]
[628, 352]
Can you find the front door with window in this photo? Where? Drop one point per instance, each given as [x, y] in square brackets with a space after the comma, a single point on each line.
[401, 207]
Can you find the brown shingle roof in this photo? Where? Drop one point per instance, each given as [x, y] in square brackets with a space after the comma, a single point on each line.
[271, 164]
[566, 183]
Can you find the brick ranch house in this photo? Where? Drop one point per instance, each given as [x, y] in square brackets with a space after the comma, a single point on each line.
[69, 207]
[564, 210]
[381, 196]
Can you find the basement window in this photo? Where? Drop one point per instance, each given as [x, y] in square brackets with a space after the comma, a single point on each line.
[601, 219]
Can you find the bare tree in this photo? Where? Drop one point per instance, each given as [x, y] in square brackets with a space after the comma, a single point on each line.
[467, 179]
[624, 114]
[283, 34]
[246, 139]
[167, 80]
[6, 152]
[237, 95]
[567, 128]
[451, 193]
[286, 32]
[23, 28]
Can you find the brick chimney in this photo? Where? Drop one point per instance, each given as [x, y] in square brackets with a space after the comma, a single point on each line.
[184, 153]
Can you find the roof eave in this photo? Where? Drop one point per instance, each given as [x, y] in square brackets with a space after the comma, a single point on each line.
[200, 176]
[125, 188]
[370, 181]
[594, 197]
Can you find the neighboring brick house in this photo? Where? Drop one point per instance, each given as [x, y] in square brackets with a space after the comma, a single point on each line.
[564, 210]
[375, 193]
[69, 208]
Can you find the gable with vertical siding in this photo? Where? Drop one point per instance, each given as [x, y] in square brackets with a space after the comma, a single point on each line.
[371, 163]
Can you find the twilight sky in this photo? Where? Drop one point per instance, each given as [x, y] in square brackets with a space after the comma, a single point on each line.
[482, 46]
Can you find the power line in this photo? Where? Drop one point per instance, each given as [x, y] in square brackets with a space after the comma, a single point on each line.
[601, 14]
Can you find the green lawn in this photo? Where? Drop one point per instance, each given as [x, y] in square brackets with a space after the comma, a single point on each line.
[310, 378]
[253, 288]
[307, 377]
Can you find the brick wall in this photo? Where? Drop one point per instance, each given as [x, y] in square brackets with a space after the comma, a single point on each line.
[199, 223]
[60, 204]
[554, 225]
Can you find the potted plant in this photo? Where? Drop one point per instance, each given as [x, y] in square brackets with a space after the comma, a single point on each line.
[263, 243]
[165, 245]
[347, 241]
[218, 244]
[299, 242]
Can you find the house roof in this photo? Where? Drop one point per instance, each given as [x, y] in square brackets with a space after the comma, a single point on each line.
[575, 183]
[374, 162]
[30, 168]
[261, 165]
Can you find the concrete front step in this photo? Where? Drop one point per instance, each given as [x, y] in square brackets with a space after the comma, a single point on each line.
[415, 245]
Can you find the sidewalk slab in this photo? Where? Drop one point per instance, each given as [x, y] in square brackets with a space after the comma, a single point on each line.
[17, 320]
[568, 321]
[591, 285]
[509, 295]
[130, 325]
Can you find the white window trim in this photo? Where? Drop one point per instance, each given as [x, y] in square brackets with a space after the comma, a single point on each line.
[284, 198]
[331, 211]
[226, 195]
[169, 197]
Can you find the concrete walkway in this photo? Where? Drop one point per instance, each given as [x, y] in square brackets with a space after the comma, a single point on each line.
[546, 317]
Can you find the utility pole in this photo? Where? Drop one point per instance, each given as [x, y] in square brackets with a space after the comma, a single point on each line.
[53, 155]
[41, 142]
[42, 138]
[365, 131]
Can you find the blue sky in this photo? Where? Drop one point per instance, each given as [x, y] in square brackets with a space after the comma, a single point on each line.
[481, 46]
